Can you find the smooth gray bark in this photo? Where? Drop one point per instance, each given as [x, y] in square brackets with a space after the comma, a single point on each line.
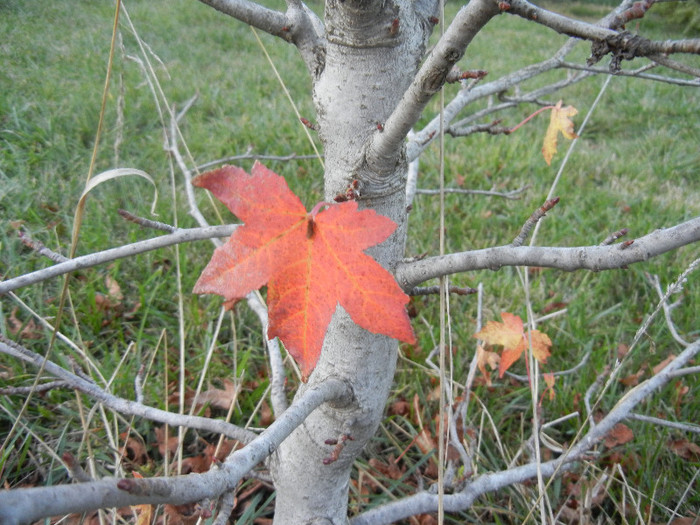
[367, 70]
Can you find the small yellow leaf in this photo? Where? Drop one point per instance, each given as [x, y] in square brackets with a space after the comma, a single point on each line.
[559, 121]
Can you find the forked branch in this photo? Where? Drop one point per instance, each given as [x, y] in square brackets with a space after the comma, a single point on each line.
[28, 505]
[622, 44]
[469, 21]
[299, 25]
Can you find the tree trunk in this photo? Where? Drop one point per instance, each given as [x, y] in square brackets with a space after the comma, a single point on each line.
[373, 53]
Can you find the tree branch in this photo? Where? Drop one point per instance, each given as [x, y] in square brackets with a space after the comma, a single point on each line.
[22, 506]
[596, 258]
[511, 194]
[299, 25]
[253, 14]
[121, 405]
[121, 252]
[465, 97]
[425, 502]
[420, 140]
[637, 73]
[623, 44]
[449, 50]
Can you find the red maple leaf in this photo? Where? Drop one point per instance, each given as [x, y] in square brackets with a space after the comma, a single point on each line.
[311, 262]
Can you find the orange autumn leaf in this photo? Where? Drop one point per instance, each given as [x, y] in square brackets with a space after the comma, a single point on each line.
[559, 121]
[549, 381]
[485, 358]
[311, 262]
[511, 335]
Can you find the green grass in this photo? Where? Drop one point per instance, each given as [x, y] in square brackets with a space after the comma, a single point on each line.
[636, 167]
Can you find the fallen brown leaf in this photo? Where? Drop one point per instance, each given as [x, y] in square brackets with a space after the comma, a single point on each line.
[619, 435]
[685, 449]
[658, 368]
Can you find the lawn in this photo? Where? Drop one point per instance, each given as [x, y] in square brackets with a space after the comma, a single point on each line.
[636, 166]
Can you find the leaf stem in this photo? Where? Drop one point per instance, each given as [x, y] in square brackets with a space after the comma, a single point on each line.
[530, 118]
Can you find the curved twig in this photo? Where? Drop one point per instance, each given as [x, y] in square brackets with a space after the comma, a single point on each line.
[121, 405]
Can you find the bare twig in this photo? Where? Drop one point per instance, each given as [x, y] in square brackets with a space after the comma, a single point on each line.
[146, 223]
[433, 290]
[278, 378]
[411, 274]
[43, 387]
[121, 405]
[684, 427]
[121, 252]
[568, 371]
[636, 10]
[511, 195]
[75, 470]
[226, 504]
[677, 66]
[686, 371]
[40, 248]
[590, 392]
[492, 128]
[533, 219]
[254, 156]
[663, 296]
[639, 73]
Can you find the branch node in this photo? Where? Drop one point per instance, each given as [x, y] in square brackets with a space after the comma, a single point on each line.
[126, 485]
[532, 221]
[339, 445]
[146, 223]
[626, 244]
[308, 124]
[456, 75]
[614, 236]
[504, 5]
